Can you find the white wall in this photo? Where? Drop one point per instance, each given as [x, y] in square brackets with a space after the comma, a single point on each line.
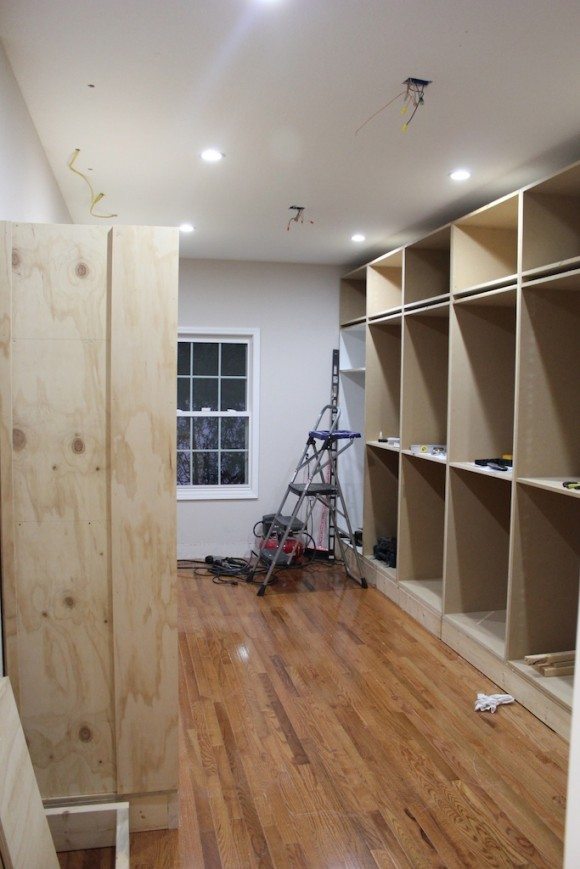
[296, 309]
[28, 190]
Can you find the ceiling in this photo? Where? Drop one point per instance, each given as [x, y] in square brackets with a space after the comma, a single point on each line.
[280, 86]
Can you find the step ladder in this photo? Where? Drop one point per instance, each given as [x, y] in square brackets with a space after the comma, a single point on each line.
[318, 463]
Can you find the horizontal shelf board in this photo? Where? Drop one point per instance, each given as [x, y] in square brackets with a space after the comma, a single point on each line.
[439, 310]
[391, 320]
[440, 461]
[486, 627]
[383, 315]
[504, 281]
[352, 370]
[392, 259]
[420, 303]
[429, 591]
[357, 330]
[355, 321]
[568, 280]
[358, 274]
[550, 484]
[481, 469]
[560, 688]
[381, 446]
[549, 269]
[504, 297]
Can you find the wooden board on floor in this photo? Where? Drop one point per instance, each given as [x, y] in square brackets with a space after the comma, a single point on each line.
[25, 840]
[143, 506]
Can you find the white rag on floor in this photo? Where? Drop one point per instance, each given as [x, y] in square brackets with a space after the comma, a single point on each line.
[490, 702]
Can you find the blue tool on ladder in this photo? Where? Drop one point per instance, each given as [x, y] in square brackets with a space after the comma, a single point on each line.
[318, 463]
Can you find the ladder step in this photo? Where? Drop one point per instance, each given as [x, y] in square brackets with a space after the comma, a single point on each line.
[313, 488]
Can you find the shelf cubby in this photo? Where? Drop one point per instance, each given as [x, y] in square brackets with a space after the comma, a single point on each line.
[477, 556]
[383, 378]
[482, 379]
[352, 348]
[421, 529]
[381, 496]
[543, 608]
[353, 297]
[427, 269]
[425, 376]
[385, 284]
[484, 247]
[548, 442]
[551, 224]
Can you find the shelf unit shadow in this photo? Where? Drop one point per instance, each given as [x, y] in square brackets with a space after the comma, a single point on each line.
[427, 269]
[543, 608]
[421, 529]
[385, 284]
[477, 556]
[482, 379]
[484, 247]
[551, 224]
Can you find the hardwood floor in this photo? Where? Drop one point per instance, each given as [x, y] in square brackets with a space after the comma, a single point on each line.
[322, 727]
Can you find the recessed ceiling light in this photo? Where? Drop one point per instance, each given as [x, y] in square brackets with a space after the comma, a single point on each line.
[186, 227]
[460, 174]
[212, 155]
[358, 236]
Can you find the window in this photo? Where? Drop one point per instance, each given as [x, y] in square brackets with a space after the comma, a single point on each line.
[217, 413]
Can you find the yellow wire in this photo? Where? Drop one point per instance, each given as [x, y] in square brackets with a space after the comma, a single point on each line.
[95, 198]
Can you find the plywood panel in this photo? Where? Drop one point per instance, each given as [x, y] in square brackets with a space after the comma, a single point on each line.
[65, 656]
[25, 840]
[143, 558]
[8, 605]
[59, 438]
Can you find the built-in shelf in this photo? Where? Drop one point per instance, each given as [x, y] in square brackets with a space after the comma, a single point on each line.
[382, 446]
[440, 460]
[482, 469]
[549, 411]
[478, 534]
[421, 525]
[381, 496]
[353, 300]
[551, 224]
[383, 378]
[351, 399]
[487, 627]
[429, 591]
[559, 688]
[484, 247]
[552, 484]
[385, 284]
[427, 265]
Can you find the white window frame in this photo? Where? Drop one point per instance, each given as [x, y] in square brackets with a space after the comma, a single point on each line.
[251, 337]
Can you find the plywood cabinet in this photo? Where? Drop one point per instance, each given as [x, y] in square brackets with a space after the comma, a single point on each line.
[87, 382]
[472, 342]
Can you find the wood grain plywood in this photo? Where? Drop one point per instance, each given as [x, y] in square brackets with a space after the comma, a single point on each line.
[8, 604]
[143, 506]
[59, 436]
[65, 655]
[25, 840]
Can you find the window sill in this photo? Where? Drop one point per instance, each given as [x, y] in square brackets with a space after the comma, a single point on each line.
[215, 493]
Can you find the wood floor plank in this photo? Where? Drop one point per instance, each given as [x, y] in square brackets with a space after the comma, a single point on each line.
[322, 727]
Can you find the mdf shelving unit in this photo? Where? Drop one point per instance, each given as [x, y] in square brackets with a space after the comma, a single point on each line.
[353, 300]
[472, 341]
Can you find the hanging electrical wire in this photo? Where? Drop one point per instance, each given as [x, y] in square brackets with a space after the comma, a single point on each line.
[95, 197]
[413, 96]
[298, 217]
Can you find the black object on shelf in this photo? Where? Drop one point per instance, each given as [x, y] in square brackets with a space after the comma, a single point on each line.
[385, 549]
